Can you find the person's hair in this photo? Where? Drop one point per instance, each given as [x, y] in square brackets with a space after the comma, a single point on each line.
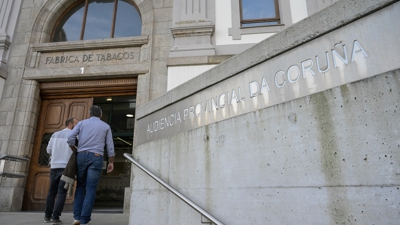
[69, 120]
[95, 111]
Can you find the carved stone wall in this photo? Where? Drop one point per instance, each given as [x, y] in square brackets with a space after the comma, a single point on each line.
[192, 28]
[8, 15]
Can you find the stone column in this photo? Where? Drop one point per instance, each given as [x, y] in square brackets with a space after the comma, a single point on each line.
[17, 121]
[9, 10]
[192, 28]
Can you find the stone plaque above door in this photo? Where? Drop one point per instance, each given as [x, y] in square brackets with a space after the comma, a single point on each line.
[105, 58]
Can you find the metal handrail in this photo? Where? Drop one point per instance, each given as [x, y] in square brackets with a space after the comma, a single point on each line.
[174, 191]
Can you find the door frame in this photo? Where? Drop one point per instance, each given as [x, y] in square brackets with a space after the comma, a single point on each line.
[80, 89]
[88, 88]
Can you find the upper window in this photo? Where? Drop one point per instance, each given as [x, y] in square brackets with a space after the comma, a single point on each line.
[255, 13]
[98, 19]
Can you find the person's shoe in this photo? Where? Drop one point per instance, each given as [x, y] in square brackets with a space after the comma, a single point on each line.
[76, 222]
[55, 221]
[85, 223]
[47, 220]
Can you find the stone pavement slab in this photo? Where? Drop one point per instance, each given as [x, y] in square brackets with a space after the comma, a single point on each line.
[36, 218]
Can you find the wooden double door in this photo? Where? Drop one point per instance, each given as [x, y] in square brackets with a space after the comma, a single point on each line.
[61, 100]
[53, 114]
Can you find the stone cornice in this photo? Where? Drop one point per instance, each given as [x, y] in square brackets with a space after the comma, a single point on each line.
[193, 31]
[91, 44]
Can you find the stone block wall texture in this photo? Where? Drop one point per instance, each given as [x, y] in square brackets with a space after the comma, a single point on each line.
[18, 109]
[10, 199]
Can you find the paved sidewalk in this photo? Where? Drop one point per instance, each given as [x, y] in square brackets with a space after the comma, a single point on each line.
[36, 218]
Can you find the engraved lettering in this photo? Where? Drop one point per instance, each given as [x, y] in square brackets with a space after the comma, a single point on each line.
[197, 110]
[253, 87]
[120, 56]
[240, 95]
[161, 123]
[155, 126]
[222, 100]
[126, 55]
[214, 104]
[185, 114]
[276, 81]
[304, 68]
[289, 73]
[335, 55]
[191, 112]
[327, 62]
[178, 117]
[234, 97]
[264, 86]
[360, 50]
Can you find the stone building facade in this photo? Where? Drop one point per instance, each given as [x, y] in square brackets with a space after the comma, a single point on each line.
[224, 162]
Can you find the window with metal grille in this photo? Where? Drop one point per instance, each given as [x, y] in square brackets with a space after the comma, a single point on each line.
[44, 157]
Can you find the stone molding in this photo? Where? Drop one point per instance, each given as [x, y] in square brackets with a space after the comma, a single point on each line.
[115, 87]
[197, 60]
[193, 25]
[192, 41]
[87, 83]
[4, 46]
[4, 42]
[91, 44]
[97, 72]
[203, 30]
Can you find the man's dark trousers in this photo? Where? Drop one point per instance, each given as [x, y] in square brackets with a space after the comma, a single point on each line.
[56, 188]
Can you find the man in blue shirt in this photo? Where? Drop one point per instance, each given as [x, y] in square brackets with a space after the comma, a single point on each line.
[94, 134]
[60, 153]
